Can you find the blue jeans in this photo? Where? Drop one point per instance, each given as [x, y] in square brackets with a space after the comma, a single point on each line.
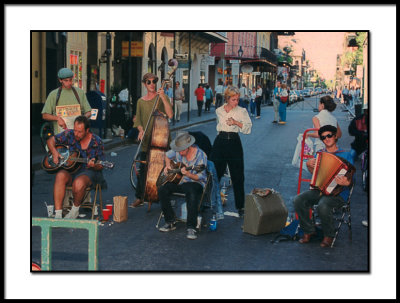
[252, 107]
[282, 111]
[216, 203]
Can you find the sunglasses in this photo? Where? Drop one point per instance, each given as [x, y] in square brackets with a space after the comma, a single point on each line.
[327, 136]
[148, 82]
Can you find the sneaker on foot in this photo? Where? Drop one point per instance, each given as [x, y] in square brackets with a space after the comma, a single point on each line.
[72, 215]
[364, 222]
[258, 117]
[191, 234]
[167, 227]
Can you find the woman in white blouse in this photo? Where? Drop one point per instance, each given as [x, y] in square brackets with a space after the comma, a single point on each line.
[324, 117]
[227, 148]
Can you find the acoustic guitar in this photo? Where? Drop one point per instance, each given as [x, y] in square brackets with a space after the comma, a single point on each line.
[174, 174]
[69, 160]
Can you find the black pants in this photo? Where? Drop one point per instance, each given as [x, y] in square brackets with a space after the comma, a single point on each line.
[218, 100]
[192, 190]
[199, 107]
[258, 105]
[208, 105]
[228, 150]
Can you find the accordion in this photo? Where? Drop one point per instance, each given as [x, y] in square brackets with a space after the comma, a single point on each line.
[327, 167]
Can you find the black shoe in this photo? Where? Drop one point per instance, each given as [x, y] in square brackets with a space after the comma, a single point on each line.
[168, 227]
[274, 121]
[241, 212]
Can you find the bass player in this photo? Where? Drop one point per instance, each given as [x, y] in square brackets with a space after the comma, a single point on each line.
[304, 201]
[90, 146]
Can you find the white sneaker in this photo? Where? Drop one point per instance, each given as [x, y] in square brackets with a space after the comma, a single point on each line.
[364, 222]
[191, 234]
[72, 215]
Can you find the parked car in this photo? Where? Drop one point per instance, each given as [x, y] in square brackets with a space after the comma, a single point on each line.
[292, 97]
[300, 96]
[306, 92]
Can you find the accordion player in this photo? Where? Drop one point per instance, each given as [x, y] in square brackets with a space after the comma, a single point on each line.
[327, 167]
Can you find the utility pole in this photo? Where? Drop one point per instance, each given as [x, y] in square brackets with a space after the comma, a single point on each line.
[108, 53]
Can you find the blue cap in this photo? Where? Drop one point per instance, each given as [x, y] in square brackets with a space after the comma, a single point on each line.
[65, 73]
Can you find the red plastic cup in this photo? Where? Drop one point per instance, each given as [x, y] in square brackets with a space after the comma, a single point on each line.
[106, 214]
[110, 207]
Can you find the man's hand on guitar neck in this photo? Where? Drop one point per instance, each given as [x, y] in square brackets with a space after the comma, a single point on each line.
[92, 164]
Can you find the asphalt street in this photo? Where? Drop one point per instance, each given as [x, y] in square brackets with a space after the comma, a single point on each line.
[137, 246]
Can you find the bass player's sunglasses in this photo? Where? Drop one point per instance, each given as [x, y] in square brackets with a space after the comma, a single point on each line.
[148, 82]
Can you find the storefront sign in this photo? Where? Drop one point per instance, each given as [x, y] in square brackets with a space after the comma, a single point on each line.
[136, 49]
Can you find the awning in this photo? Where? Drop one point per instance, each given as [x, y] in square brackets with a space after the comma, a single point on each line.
[258, 61]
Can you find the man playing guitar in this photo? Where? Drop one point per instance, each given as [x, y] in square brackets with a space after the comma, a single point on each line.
[192, 184]
[91, 147]
[304, 201]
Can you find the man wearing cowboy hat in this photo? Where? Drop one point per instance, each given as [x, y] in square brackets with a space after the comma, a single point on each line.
[183, 150]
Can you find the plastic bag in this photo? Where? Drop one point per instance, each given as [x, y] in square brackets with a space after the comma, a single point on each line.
[308, 149]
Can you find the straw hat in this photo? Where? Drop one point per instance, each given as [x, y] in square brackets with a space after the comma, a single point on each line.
[182, 141]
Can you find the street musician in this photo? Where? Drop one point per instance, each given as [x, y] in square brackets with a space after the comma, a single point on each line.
[304, 201]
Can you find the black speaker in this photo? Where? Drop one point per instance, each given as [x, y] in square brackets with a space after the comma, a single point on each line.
[264, 215]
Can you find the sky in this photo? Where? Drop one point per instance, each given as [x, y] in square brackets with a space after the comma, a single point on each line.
[321, 49]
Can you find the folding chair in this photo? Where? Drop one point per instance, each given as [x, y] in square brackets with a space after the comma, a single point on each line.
[341, 215]
[87, 199]
[205, 198]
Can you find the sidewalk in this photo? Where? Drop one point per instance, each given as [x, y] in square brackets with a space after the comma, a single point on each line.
[38, 152]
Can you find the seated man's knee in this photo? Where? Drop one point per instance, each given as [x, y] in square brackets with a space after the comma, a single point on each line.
[80, 184]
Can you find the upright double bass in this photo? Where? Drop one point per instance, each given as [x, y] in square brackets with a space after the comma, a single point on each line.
[158, 144]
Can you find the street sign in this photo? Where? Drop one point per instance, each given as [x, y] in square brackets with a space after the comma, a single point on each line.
[235, 69]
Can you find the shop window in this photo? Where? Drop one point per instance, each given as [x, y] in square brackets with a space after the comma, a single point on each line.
[202, 77]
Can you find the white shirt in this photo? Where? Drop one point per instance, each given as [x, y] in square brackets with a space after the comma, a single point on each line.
[219, 89]
[325, 118]
[238, 113]
[243, 92]
[259, 92]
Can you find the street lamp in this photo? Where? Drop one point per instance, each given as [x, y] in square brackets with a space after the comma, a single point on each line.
[240, 54]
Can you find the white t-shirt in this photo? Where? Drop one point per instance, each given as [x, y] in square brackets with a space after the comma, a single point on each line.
[325, 118]
[259, 92]
[219, 89]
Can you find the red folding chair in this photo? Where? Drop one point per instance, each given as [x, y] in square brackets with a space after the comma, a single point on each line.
[302, 157]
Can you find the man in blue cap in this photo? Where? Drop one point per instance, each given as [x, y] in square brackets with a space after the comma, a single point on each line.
[65, 95]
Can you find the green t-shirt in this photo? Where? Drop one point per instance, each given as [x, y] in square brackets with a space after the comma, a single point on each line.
[143, 112]
[67, 97]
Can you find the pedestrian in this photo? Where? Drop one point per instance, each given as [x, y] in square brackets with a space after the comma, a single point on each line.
[209, 98]
[179, 97]
[357, 96]
[345, 94]
[325, 117]
[352, 95]
[227, 149]
[183, 150]
[65, 95]
[258, 101]
[143, 115]
[89, 146]
[326, 203]
[283, 105]
[243, 100]
[168, 91]
[358, 128]
[199, 93]
[219, 91]
[253, 96]
[277, 91]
